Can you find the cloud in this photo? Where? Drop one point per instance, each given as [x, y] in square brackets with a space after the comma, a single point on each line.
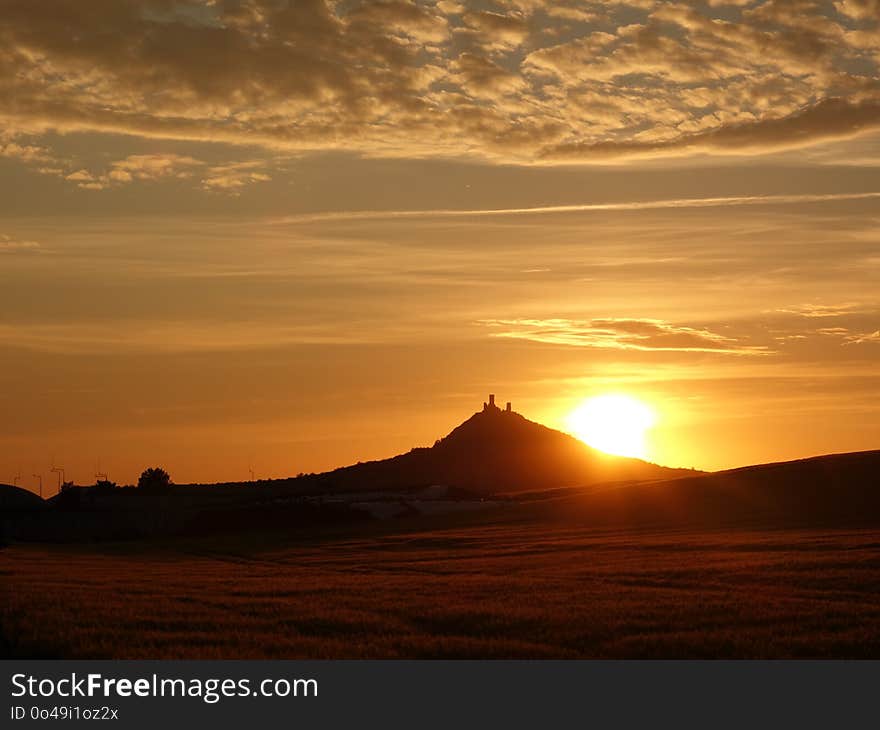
[172, 336]
[233, 177]
[826, 120]
[481, 76]
[815, 311]
[861, 339]
[399, 16]
[152, 167]
[135, 167]
[648, 335]
[851, 323]
[226, 178]
[27, 153]
[530, 80]
[641, 205]
[9, 245]
[859, 9]
[497, 31]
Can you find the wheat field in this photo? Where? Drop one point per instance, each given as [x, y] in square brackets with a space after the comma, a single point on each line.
[481, 591]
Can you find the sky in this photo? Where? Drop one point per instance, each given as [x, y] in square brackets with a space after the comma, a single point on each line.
[280, 237]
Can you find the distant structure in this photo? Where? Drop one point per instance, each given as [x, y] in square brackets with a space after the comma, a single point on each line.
[490, 406]
[59, 470]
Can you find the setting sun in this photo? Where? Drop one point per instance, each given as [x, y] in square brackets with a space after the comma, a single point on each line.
[613, 423]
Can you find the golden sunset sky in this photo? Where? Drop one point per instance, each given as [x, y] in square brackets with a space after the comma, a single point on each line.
[289, 236]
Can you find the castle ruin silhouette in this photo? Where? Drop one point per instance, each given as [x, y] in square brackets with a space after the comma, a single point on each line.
[490, 406]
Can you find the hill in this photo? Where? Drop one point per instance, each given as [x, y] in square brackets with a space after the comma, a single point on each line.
[822, 491]
[533, 470]
[493, 452]
[16, 499]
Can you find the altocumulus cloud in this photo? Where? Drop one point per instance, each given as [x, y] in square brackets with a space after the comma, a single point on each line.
[520, 80]
[622, 334]
[228, 178]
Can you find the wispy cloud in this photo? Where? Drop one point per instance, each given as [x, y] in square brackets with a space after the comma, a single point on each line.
[169, 337]
[820, 311]
[10, 245]
[675, 203]
[861, 339]
[648, 335]
[849, 323]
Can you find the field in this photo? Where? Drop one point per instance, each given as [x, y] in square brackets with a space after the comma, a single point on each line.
[530, 589]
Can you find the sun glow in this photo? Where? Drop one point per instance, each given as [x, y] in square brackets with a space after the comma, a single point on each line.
[614, 423]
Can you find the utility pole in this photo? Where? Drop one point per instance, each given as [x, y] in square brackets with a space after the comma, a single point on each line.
[15, 479]
[60, 471]
[40, 477]
[100, 475]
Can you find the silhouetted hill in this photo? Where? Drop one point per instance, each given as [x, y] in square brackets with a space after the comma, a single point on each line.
[540, 472]
[18, 499]
[497, 451]
[834, 490]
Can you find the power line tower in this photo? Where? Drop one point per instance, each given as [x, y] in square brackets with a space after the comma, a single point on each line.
[40, 477]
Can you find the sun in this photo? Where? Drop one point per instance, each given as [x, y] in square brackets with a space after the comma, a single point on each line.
[613, 423]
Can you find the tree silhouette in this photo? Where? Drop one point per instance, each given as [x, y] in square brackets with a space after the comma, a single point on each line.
[104, 485]
[154, 478]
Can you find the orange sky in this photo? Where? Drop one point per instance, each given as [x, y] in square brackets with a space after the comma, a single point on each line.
[287, 237]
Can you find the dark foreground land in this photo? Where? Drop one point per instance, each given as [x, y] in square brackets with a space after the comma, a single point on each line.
[770, 561]
[491, 588]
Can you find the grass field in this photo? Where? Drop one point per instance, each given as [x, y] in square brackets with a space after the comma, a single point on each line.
[528, 590]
